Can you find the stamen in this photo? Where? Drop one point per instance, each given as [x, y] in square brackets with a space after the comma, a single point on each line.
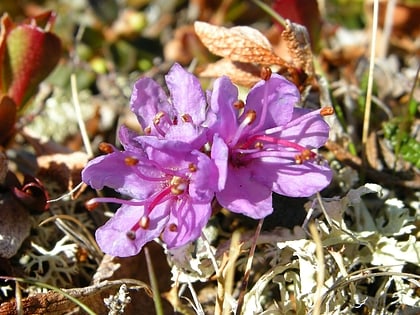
[162, 196]
[157, 123]
[149, 178]
[148, 130]
[131, 161]
[94, 202]
[305, 118]
[192, 167]
[131, 235]
[326, 111]
[158, 117]
[263, 114]
[105, 148]
[178, 185]
[239, 104]
[306, 155]
[250, 117]
[273, 140]
[144, 222]
[173, 227]
[259, 145]
[265, 73]
[91, 205]
[186, 118]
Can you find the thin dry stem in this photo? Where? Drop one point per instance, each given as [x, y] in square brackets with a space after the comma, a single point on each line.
[79, 116]
[154, 284]
[18, 297]
[320, 275]
[248, 267]
[368, 104]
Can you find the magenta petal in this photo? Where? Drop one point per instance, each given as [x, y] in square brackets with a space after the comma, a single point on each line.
[147, 99]
[128, 139]
[224, 95]
[311, 131]
[188, 134]
[204, 180]
[112, 237]
[186, 93]
[112, 171]
[189, 219]
[300, 180]
[280, 95]
[220, 156]
[243, 194]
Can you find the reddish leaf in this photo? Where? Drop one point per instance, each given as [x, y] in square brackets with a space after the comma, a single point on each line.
[7, 118]
[27, 55]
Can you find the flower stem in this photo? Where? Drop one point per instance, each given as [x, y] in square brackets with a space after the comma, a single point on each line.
[153, 282]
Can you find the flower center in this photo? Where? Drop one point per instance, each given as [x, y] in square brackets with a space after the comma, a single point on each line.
[174, 185]
[251, 141]
[176, 188]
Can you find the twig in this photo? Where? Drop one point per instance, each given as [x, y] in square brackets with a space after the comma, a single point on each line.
[248, 268]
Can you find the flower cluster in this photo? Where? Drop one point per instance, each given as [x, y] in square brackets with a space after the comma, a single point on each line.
[199, 146]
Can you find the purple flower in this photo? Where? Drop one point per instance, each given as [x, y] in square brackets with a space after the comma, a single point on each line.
[170, 183]
[178, 117]
[265, 144]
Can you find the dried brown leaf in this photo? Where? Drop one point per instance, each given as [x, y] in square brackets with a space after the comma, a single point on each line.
[53, 303]
[244, 74]
[239, 43]
[64, 169]
[299, 45]
[372, 153]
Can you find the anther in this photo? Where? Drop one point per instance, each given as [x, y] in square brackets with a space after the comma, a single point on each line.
[326, 111]
[131, 235]
[265, 73]
[177, 185]
[91, 205]
[158, 117]
[259, 145]
[186, 118]
[250, 116]
[239, 104]
[298, 159]
[307, 155]
[105, 147]
[148, 130]
[177, 189]
[192, 167]
[130, 161]
[144, 223]
[173, 227]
